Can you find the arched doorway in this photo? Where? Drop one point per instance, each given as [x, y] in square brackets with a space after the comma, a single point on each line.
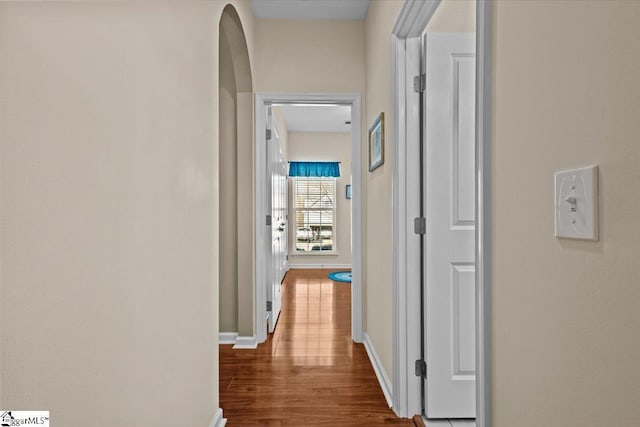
[236, 179]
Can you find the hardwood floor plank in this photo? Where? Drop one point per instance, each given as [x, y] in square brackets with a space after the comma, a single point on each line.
[309, 372]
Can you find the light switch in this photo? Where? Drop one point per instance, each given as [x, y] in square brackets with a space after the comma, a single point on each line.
[577, 203]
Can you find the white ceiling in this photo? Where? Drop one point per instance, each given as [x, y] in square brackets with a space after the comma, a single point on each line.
[317, 118]
[310, 9]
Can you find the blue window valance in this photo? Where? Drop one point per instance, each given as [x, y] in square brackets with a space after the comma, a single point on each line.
[315, 169]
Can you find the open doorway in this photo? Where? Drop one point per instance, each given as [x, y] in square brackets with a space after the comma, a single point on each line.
[322, 226]
[309, 168]
[440, 325]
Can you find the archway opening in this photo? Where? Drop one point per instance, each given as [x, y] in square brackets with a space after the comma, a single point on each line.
[236, 180]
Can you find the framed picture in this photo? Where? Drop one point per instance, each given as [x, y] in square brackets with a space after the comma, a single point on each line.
[348, 191]
[376, 143]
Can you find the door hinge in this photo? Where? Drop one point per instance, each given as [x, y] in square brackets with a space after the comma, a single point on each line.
[419, 83]
[269, 305]
[421, 368]
[269, 220]
[268, 135]
[420, 225]
[287, 257]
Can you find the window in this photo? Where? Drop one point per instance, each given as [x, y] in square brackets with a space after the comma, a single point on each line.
[314, 203]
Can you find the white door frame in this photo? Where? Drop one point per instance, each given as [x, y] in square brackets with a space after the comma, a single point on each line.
[260, 238]
[409, 27]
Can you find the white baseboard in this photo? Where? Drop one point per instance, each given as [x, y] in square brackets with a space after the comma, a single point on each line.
[237, 341]
[246, 343]
[322, 266]
[218, 420]
[227, 337]
[383, 379]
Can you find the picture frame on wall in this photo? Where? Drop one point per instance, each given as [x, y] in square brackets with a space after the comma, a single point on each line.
[347, 191]
[376, 143]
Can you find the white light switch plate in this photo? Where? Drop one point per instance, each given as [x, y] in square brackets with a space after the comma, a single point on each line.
[577, 203]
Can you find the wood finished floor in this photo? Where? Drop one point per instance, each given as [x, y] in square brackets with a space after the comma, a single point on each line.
[308, 372]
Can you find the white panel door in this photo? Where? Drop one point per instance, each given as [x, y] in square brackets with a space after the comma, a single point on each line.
[281, 220]
[450, 213]
[275, 200]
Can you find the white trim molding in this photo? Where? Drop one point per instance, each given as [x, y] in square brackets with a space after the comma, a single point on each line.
[261, 241]
[484, 417]
[407, 31]
[319, 266]
[238, 342]
[406, 249]
[218, 420]
[246, 343]
[263, 244]
[227, 337]
[414, 17]
[381, 374]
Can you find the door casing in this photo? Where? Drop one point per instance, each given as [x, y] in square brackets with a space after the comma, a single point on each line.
[407, 31]
[262, 234]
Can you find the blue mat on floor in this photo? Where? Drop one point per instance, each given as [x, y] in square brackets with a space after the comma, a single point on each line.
[341, 276]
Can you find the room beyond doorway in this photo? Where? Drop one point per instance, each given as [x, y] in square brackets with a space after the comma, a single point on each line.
[318, 151]
[312, 238]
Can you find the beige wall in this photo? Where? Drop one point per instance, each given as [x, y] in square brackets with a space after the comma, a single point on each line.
[453, 16]
[311, 146]
[307, 56]
[377, 202]
[565, 312]
[109, 193]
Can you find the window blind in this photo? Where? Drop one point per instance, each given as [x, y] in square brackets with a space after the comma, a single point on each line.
[314, 205]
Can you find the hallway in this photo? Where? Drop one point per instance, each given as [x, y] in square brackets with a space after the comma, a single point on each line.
[309, 372]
